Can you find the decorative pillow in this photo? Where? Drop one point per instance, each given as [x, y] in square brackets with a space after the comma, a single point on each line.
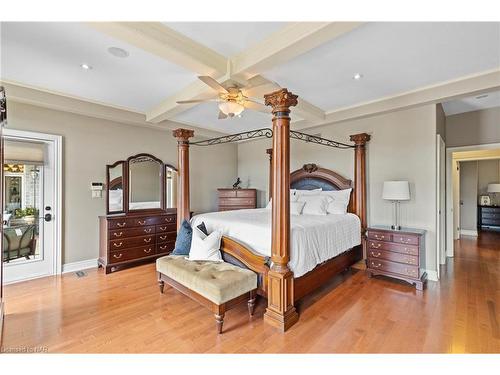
[340, 200]
[183, 241]
[293, 198]
[315, 204]
[307, 192]
[205, 247]
[203, 228]
[296, 208]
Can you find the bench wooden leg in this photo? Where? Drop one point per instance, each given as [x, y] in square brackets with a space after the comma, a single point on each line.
[251, 302]
[161, 284]
[220, 311]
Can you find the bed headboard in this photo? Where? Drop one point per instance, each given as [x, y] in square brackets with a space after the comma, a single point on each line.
[311, 177]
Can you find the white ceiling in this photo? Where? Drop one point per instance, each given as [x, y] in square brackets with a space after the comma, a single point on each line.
[49, 54]
[227, 38]
[473, 103]
[393, 58]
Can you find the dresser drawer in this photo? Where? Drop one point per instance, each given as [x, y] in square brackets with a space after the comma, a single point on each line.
[490, 209]
[131, 242]
[227, 193]
[131, 232]
[120, 223]
[394, 257]
[246, 193]
[170, 219]
[166, 228]
[391, 246]
[132, 253]
[166, 237]
[381, 236]
[237, 202]
[396, 268]
[406, 239]
[165, 247]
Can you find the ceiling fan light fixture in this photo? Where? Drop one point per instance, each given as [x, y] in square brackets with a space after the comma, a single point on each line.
[231, 108]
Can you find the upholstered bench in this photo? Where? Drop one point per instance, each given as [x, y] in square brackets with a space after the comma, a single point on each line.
[218, 286]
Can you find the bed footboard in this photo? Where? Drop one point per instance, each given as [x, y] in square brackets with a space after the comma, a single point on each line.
[235, 253]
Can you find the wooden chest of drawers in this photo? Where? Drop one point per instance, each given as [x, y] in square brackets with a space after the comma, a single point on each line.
[128, 240]
[237, 199]
[488, 217]
[399, 254]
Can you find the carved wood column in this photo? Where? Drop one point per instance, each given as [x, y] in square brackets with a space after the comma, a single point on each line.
[183, 209]
[280, 310]
[360, 141]
[269, 151]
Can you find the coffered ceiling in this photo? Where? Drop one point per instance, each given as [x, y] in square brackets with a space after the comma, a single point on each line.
[400, 64]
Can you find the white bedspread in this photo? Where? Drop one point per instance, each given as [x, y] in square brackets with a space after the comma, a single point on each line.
[314, 239]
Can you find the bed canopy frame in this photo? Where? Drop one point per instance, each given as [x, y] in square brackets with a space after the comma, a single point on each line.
[276, 281]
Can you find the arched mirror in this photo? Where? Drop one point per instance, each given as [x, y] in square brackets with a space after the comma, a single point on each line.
[142, 183]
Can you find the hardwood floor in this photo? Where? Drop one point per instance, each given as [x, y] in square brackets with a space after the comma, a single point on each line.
[125, 312]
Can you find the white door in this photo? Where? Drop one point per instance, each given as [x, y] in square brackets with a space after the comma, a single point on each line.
[441, 202]
[31, 205]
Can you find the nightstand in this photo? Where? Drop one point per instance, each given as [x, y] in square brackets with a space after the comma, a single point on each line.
[396, 253]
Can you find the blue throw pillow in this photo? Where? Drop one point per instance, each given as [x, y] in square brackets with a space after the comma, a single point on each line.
[183, 241]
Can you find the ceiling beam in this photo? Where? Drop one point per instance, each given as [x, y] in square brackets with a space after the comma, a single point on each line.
[162, 41]
[287, 43]
[454, 89]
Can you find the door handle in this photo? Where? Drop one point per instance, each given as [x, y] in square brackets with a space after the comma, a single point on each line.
[47, 217]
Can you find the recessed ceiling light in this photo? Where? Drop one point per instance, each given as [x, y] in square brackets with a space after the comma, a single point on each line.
[357, 76]
[118, 52]
[85, 66]
[482, 96]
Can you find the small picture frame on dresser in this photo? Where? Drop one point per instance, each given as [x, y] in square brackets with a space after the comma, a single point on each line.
[396, 253]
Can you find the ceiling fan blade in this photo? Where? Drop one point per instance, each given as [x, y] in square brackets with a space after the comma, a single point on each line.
[256, 106]
[213, 84]
[195, 101]
[222, 115]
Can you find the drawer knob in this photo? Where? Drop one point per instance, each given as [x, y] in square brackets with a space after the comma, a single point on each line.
[117, 244]
[411, 272]
[147, 240]
[376, 255]
[163, 238]
[117, 256]
[376, 245]
[163, 247]
[141, 222]
[118, 234]
[379, 237]
[121, 225]
[376, 265]
[163, 228]
[147, 230]
[147, 251]
[168, 219]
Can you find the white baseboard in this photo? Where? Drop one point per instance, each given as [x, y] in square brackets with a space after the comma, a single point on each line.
[467, 232]
[432, 275]
[78, 266]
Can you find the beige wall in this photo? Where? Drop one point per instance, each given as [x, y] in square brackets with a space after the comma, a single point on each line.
[473, 128]
[89, 144]
[403, 146]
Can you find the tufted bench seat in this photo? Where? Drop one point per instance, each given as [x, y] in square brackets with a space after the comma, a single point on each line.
[219, 286]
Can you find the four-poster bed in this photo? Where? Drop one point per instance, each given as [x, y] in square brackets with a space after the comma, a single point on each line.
[276, 280]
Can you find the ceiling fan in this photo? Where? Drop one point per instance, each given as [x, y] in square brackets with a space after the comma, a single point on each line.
[232, 100]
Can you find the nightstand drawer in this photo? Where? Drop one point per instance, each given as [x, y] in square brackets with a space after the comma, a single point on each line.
[405, 239]
[396, 268]
[396, 247]
[394, 257]
[380, 236]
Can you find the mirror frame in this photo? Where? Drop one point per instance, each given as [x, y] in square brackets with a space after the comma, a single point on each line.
[126, 187]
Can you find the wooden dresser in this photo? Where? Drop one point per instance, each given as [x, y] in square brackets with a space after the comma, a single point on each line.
[398, 254]
[237, 199]
[129, 239]
[488, 217]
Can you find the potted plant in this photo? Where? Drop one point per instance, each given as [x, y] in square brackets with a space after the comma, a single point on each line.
[30, 214]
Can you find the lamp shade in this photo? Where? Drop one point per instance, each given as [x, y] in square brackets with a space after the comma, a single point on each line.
[396, 190]
[493, 188]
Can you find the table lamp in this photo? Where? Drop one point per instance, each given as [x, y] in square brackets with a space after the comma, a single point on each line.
[494, 189]
[396, 191]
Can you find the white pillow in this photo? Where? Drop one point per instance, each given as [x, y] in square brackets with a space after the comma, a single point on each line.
[307, 192]
[205, 247]
[315, 204]
[295, 207]
[339, 202]
[293, 198]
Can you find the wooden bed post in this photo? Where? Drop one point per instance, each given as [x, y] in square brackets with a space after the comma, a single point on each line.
[280, 310]
[360, 141]
[183, 209]
[269, 151]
